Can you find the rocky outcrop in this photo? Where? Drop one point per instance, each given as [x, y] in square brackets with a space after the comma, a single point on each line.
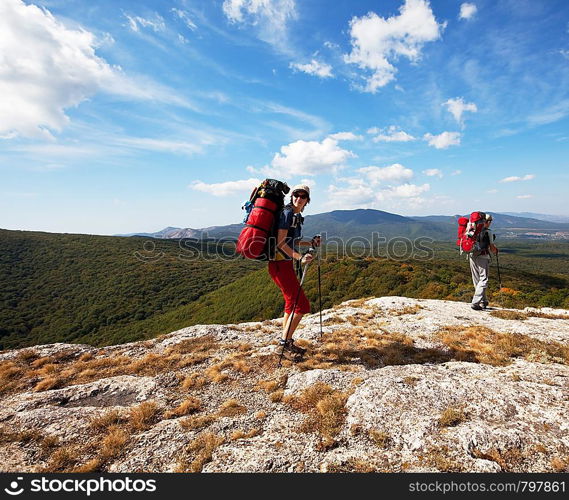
[393, 384]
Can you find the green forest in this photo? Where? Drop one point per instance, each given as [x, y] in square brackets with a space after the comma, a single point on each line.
[109, 290]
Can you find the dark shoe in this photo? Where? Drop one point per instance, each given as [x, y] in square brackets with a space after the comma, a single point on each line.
[484, 305]
[291, 348]
[476, 307]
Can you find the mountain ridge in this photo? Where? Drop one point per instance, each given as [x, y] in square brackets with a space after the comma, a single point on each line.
[364, 222]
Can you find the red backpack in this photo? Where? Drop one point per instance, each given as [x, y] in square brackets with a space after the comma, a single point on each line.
[469, 229]
[262, 209]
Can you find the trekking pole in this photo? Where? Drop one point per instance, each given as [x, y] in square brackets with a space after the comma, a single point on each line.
[498, 264]
[294, 307]
[319, 291]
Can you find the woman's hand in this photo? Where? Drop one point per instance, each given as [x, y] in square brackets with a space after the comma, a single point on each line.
[307, 258]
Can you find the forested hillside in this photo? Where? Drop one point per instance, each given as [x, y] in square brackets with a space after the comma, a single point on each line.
[108, 290]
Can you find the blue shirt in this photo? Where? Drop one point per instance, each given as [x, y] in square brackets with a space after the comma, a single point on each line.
[292, 223]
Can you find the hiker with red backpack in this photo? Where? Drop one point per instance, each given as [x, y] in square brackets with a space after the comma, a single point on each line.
[477, 240]
[281, 269]
[273, 232]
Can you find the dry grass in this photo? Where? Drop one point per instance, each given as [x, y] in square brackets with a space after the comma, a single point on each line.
[199, 452]
[23, 436]
[113, 443]
[325, 409]
[380, 438]
[62, 460]
[231, 408]
[194, 381]
[27, 371]
[451, 417]
[215, 374]
[560, 464]
[195, 422]
[352, 347]
[241, 434]
[189, 406]
[509, 314]
[536, 314]
[405, 310]
[352, 465]
[509, 460]
[440, 458]
[142, 417]
[108, 419]
[482, 345]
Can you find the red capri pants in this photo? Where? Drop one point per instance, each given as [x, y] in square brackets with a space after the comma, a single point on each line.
[283, 275]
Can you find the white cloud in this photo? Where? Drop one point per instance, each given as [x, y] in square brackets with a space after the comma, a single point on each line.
[345, 136]
[492, 191]
[184, 16]
[377, 42]
[309, 158]
[467, 11]
[225, 188]
[391, 134]
[358, 193]
[524, 196]
[393, 173]
[516, 178]
[404, 191]
[46, 68]
[432, 172]
[456, 172]
[136, 22]
[352, 196]
[315, 68]
[269, 18]
[444, 140]
[457, 107]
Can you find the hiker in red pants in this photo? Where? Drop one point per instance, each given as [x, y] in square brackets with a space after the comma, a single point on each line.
[281, 268]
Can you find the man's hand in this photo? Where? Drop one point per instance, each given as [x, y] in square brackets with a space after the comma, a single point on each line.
[494, 250]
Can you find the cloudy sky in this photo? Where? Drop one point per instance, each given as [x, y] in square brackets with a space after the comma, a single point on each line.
[131, 116]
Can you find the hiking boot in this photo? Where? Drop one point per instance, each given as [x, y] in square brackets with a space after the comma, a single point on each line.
[476, 307]
[289, 347]
[484, 305]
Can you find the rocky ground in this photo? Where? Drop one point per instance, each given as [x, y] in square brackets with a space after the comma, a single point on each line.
[394, 384]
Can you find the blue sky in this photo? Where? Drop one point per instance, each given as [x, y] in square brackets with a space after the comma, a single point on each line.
[131, 116]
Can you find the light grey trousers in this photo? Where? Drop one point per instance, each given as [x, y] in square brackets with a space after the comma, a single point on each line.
[479, 267]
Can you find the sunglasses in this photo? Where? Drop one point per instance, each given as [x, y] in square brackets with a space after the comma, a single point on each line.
[302, 196]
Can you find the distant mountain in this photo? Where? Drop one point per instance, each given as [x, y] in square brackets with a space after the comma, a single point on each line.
[562, 219]
[363, 223]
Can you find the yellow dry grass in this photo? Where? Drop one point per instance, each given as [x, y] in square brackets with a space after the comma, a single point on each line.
[241, 434]
[482, 345]
[414, 309]
[26, 371]
[195, 422]
[380, 438]
[352, 465]
[199, 452]
[194, 381]
[325, 410]
[186, 407]
[231, 408]
[113, 443]
[349, 348]
[509, 314]
[452, 416]
[142, 417]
